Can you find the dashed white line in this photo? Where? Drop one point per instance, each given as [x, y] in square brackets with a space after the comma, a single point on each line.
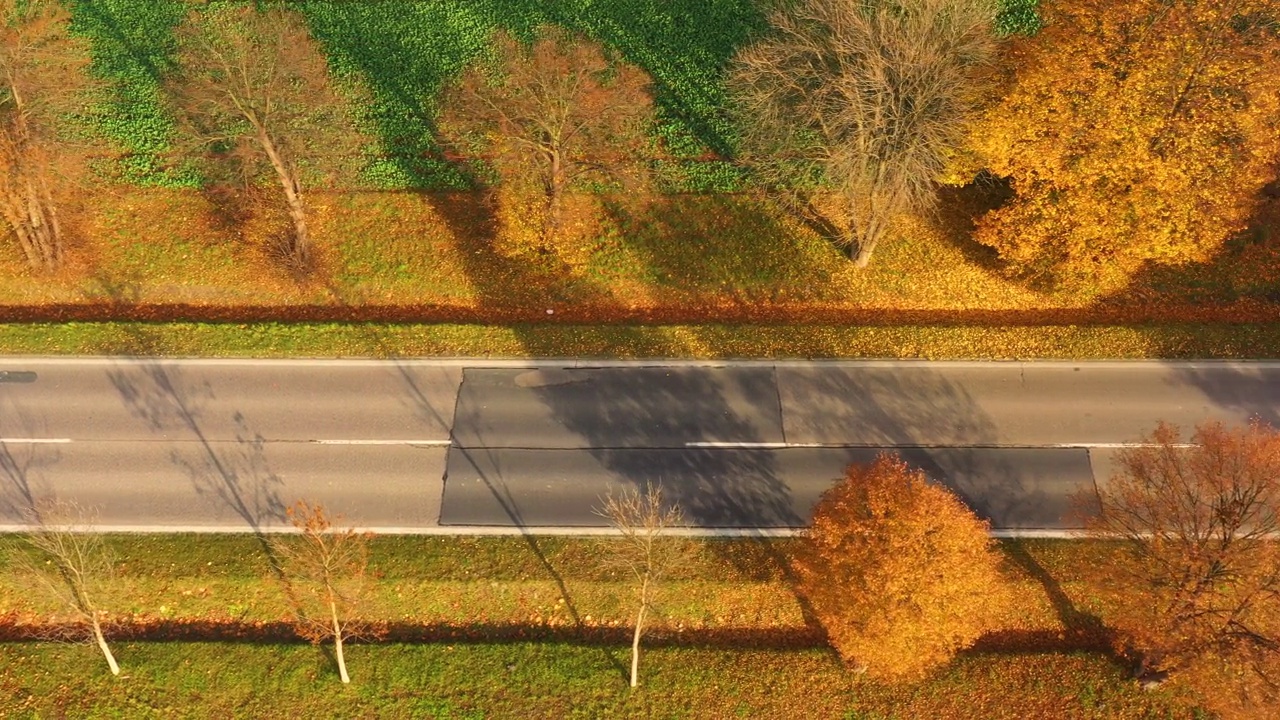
[428, 443]
[35, 441]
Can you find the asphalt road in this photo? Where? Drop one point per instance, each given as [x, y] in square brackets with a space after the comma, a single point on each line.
[473, 445]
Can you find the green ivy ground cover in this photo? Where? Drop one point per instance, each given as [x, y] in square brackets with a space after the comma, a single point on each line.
[405, 50]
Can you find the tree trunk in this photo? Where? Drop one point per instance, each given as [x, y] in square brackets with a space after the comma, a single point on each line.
[45, 231]
[30, 213]
[555, 202]
[337, 644]
[866, 246]
[301, 249]
[870, 235]
[635, 637]
[102, 645]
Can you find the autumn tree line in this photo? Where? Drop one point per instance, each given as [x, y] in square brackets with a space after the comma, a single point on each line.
[901, 575]
[1129, 132]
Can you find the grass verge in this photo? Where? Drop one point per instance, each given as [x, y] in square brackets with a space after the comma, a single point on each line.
[543, 680]
[642, 341]
[546, 582]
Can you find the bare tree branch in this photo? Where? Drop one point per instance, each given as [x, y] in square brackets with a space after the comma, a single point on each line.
[325, 568]
[72, 564]
[644, 551]
[254, 82]
[870, 95]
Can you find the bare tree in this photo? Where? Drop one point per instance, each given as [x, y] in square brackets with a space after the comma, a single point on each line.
[73, 565]
[871, 94]
[643, 520]
[1199, 575]
[43, 71]
[325, 569]
[252, 79]
[558, 111]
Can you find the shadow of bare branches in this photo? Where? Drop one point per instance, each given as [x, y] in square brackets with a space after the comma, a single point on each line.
[234, 473]
[22, 465]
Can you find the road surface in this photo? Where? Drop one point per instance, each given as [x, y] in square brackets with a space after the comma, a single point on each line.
[491, 446]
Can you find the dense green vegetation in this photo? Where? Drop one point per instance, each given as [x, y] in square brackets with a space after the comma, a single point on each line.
[404, 50]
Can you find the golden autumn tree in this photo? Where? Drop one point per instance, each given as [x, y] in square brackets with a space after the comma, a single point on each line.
[1196, 586]
[901, 573]
[1134, 131]
[43, 83]
[550, 116]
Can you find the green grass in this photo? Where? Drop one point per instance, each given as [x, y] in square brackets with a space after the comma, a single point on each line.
[543, 680]
[636, 341]
[685, 672]
[404, 51]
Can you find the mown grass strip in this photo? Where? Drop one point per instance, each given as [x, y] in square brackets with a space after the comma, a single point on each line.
[665, 341]
[551, 680]
[227, 580]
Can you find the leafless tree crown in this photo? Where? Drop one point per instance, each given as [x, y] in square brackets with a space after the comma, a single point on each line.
[253, 81]
[871, 94]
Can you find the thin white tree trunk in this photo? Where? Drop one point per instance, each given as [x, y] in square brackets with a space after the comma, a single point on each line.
[337, 643]
[635, 638]
[292, 195]
[102, 645]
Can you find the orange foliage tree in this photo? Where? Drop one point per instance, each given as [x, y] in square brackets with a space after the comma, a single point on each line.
[1197, 585]
[1134, 131]
[43, 84]
[548, 116]
[899, 571]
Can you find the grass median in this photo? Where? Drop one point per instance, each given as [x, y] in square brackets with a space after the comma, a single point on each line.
[1073, 342]
[732, 640]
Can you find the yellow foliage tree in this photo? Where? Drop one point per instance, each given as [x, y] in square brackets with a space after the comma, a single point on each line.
[1134, 131]
[899, 571]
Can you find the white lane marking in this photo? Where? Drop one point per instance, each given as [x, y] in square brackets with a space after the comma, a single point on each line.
[430, 443]
[957, 446]
[35, 440]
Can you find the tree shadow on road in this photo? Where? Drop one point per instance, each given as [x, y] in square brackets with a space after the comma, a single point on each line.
[1249, 391]
[22, 482]
[235, 474]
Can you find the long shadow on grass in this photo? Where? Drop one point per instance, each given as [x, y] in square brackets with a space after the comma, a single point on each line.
[1080, 626]
[237, 476]
[738, 247]
[271, 633]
